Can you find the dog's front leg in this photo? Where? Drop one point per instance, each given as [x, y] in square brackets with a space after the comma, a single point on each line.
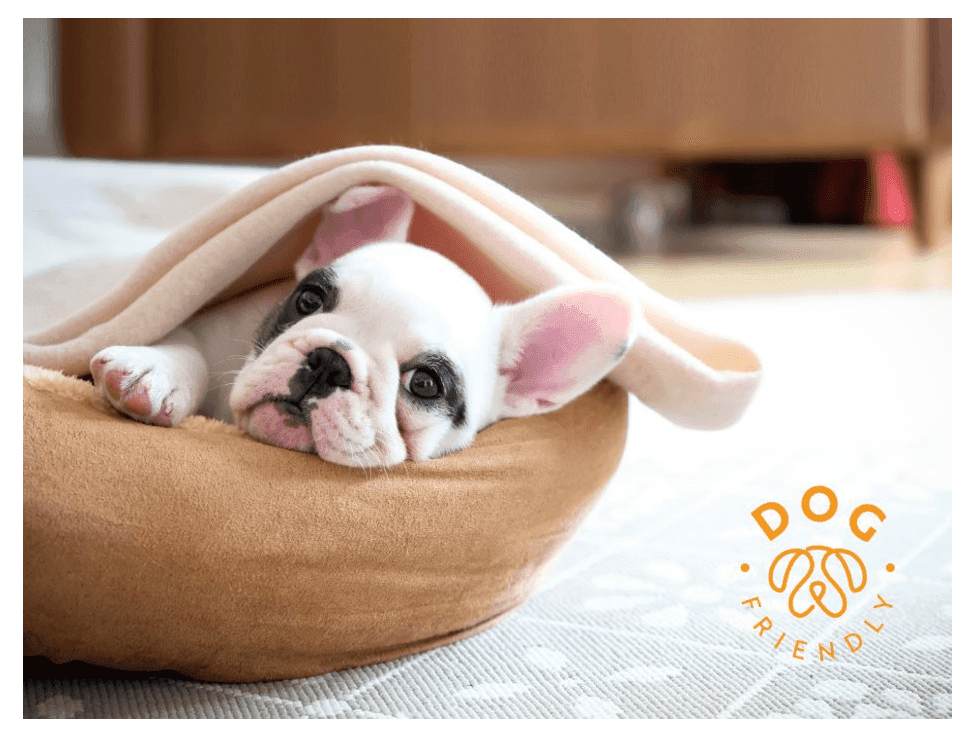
[159, 384]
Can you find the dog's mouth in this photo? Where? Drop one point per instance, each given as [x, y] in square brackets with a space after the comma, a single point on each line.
[336, 429]
[291, 408]
[280, 421]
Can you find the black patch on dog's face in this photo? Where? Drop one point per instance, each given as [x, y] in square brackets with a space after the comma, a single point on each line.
[319, 285]
[452, 400]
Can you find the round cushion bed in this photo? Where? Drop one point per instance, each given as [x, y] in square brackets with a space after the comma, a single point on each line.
[208, 553]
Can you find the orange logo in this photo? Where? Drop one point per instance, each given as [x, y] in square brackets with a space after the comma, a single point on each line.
[816, 578]
[781, 572]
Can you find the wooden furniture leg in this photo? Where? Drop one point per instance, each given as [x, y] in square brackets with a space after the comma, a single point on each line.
[935, 198]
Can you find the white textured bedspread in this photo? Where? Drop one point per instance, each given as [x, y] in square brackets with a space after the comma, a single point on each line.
[664, 603]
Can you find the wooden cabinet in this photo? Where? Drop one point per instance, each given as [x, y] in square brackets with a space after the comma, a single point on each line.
[250, 89]
[701, 87]
[672, 89]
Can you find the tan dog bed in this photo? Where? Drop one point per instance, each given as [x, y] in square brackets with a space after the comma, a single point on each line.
[206, 552]
[200, 550]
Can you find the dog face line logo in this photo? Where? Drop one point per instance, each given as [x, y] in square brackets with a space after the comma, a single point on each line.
[818, 589]
[816, 578]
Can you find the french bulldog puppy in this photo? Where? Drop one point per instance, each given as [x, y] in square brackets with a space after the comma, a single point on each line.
[385, 353]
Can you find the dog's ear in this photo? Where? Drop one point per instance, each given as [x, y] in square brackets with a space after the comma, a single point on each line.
[361, 215]
[556, 346]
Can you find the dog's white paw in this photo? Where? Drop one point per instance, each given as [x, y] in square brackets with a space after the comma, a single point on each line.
[138, 381]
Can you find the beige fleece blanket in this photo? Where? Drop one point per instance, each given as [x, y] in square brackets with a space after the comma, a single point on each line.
[250, 239]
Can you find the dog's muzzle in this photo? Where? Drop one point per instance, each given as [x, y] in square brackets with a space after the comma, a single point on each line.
[309, 391]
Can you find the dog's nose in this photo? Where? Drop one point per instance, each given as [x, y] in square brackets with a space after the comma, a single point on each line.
[329, 368]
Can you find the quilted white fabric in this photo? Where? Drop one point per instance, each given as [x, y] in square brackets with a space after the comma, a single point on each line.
[642, 615]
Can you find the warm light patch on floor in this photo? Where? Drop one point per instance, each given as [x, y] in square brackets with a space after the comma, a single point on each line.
[762, 261]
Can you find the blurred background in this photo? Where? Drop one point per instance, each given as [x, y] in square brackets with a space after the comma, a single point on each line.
[710, 157]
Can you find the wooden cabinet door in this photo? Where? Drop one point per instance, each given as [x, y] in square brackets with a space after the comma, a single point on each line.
[247, 89]
[233, 88]
[674, 86]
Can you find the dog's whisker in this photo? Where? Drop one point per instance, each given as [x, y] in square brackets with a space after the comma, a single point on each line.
[232, 373]
[361, 464]
[377, 454]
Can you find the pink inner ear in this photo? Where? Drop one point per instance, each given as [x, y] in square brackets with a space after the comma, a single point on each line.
[546, 364]
[571, 340]
[361, 215]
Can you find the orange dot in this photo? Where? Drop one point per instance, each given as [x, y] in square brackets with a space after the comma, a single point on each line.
[745, 567]
[890, 567]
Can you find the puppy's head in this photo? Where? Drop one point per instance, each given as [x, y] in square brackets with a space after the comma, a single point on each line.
[393, 352]
[371, 360]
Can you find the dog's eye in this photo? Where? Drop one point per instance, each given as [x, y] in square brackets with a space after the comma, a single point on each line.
[308, 301]
[423, 383]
